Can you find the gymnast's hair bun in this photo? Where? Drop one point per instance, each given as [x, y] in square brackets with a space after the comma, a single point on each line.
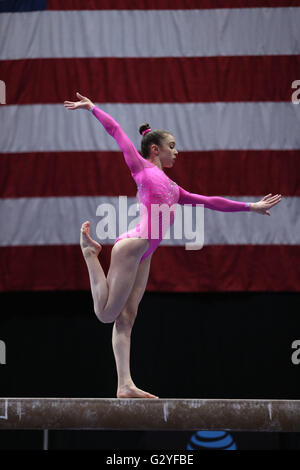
[144, 127]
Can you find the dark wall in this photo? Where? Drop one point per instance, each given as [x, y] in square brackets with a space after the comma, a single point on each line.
[211, 345]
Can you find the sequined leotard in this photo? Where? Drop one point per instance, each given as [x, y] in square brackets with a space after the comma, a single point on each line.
[155, 189]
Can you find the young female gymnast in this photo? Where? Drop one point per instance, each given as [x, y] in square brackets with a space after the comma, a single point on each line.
[117, 296]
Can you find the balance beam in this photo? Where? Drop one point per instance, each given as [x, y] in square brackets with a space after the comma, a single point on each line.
[150, 414]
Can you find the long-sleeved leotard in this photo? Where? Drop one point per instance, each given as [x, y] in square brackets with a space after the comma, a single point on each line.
[155, 189]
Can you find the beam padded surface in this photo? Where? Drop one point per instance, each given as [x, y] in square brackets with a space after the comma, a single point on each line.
[150, 414]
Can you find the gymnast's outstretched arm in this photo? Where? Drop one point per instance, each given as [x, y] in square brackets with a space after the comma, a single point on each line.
[134, 160]
[227, 205]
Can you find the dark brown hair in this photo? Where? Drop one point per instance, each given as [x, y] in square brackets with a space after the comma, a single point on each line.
[153, 137]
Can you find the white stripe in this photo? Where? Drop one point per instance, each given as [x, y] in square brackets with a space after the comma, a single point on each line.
[57, 221]
[151, 33]
[196, 126]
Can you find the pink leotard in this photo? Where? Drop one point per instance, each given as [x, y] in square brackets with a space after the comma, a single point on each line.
[155, 188]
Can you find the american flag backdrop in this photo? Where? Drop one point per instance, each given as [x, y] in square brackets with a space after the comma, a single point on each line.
[217, 73]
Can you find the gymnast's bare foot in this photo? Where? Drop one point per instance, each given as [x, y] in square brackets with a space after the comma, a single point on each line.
[131, 391]
[88, 246]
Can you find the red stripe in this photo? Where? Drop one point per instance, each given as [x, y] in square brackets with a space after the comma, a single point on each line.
[238, 173]
[214, 268]
[163, 4]
[165, 80]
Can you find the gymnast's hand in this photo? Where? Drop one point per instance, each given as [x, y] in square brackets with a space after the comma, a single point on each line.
[263, 206]
[84, 103]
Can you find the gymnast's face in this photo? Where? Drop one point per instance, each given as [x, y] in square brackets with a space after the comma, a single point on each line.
[167, 151]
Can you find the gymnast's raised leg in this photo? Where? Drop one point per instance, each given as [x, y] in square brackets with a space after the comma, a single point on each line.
[111, 293]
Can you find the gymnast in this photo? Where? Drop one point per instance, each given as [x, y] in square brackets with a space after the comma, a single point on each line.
[117, 296]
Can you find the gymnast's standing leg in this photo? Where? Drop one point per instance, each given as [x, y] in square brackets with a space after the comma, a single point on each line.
[122, 335]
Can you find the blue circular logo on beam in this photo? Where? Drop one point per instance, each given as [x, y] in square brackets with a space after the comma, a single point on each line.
[211, 440]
